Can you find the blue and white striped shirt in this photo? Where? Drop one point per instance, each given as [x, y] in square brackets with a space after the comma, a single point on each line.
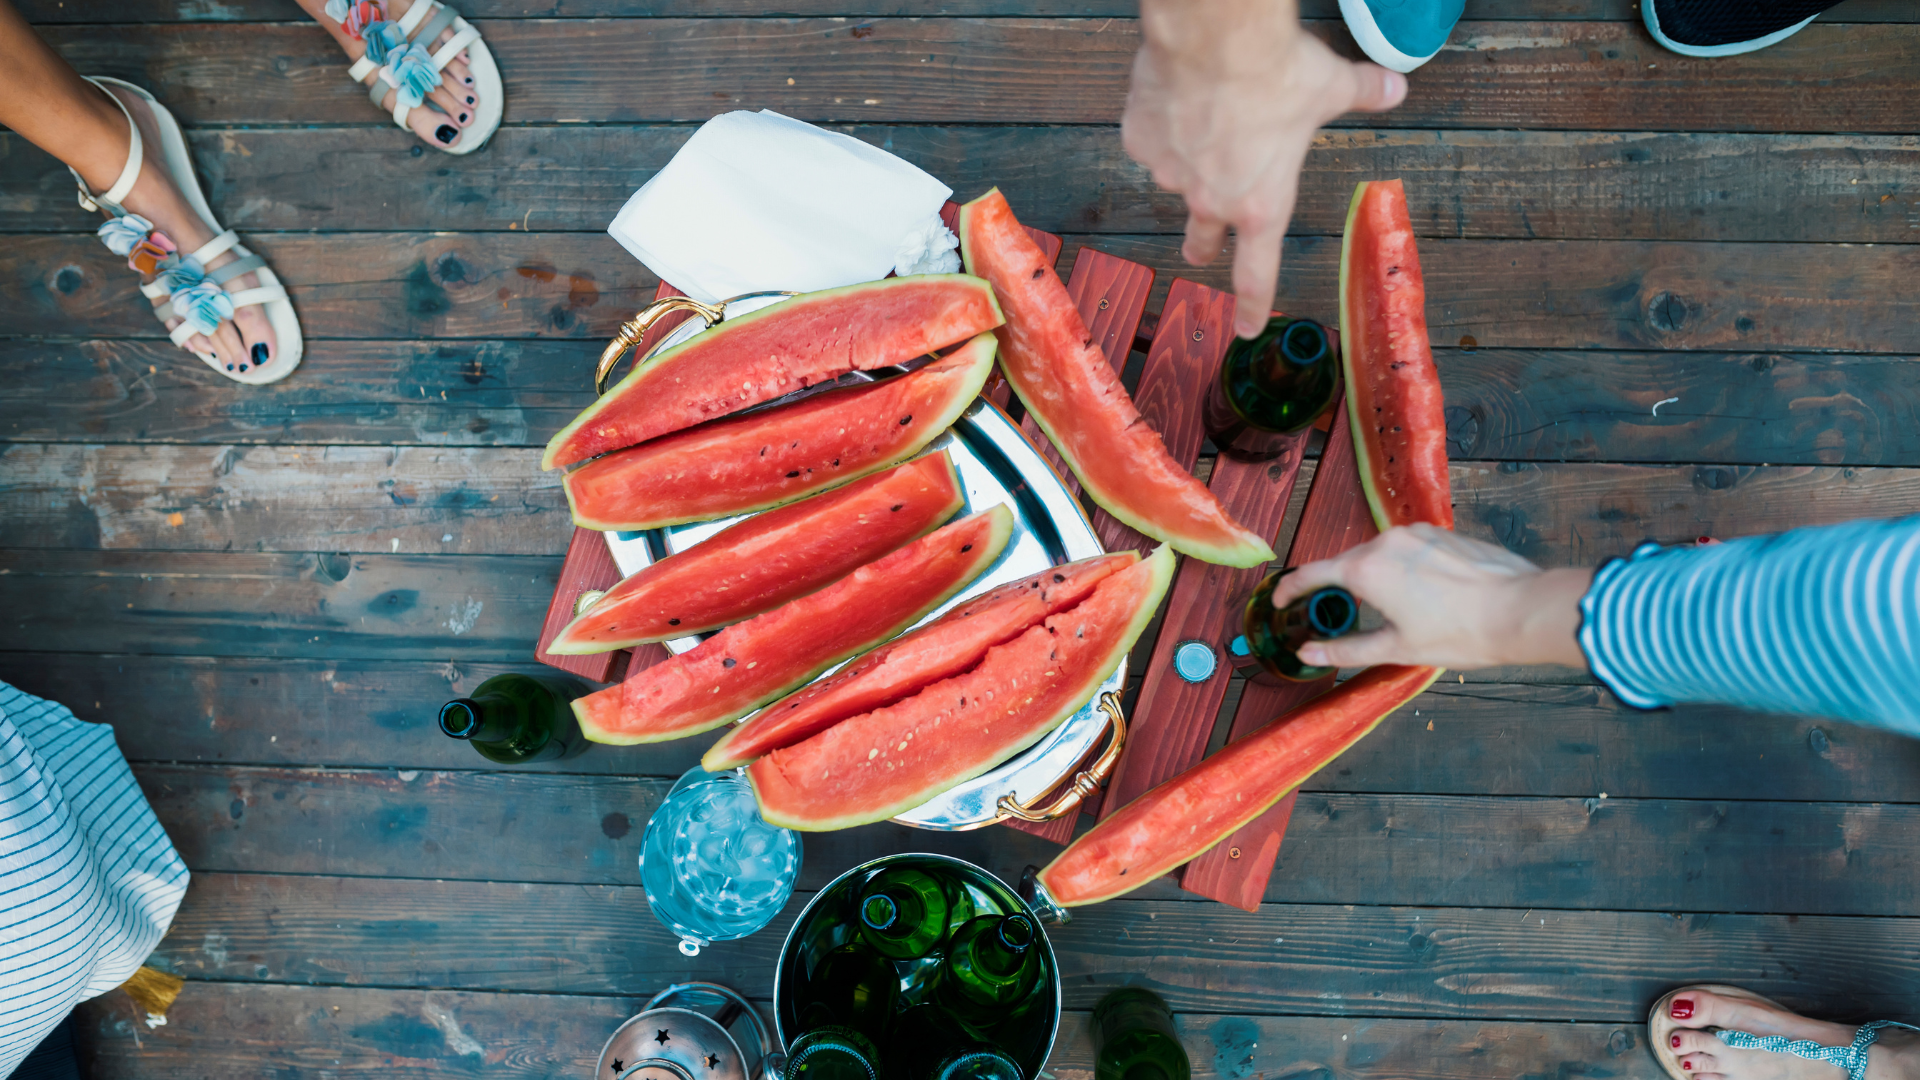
[1819, 621]
[88, 880]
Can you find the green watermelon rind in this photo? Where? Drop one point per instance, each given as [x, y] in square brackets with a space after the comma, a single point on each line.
[964, 392]
[636, 378]
[989, 553]
[1163, 564]
[1249, 552]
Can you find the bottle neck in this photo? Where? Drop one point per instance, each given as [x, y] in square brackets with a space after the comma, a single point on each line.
[483, 718]
[1003, 947]
[1285, 355]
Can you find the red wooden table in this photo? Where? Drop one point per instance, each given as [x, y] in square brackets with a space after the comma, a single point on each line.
[1172, 719]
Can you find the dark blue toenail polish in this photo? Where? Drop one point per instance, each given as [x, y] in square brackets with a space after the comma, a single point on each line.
[446, 132]
[260, 354]
[469, 99]
[243, 368]
[229, 367]
[463, 118]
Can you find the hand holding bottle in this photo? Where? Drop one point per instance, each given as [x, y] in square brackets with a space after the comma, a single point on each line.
[1449, 601]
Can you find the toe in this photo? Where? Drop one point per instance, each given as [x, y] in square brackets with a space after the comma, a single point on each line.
[256, 335]
[1696, 1063]
[459, 75]
[451, 106]
[230, 349]
[1690, 1041]
[433, 127]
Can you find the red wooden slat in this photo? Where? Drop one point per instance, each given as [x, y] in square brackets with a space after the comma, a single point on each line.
[1111, 296]
[589, 565]
[1334, 519]
[1189, 340]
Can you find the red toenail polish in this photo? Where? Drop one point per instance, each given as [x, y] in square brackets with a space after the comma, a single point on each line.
[1686, 1064]
[1682, 1008]
[1676, 1042]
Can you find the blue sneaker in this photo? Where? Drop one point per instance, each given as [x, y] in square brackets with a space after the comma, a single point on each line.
[1401, 34]
[1726, 27]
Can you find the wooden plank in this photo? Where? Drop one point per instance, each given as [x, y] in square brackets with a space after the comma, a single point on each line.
[1505, 404]
[1462, 184]
[415, 606]
[1461, 851]
[401, 607]
[456, 500]
[519, 826]
[1194, 327]
[1336, 518]
[1495, 738]
[1454, 963]
[588, 567]
[56, 11]
[230, 1031]
[1558, 75]
[1497, 293]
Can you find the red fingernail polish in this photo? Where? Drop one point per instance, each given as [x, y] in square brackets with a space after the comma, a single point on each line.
[1676, 1042]
[1682, 1008]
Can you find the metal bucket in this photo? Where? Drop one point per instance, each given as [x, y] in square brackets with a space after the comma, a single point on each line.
[827, 921]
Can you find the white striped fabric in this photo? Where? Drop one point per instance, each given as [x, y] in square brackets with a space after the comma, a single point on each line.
[1820, 621]
[88, 880]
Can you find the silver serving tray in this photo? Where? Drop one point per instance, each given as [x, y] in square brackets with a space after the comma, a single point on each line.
[996, 464]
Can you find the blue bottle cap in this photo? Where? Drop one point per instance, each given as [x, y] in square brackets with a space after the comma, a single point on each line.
[1194, 661]
[1240, 646]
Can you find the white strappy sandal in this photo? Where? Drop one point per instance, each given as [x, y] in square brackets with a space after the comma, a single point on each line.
[423, 22]
[1852, 1058]
[181, 285]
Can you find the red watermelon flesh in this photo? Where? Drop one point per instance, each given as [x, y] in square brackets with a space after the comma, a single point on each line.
[908, 664]
[769, 559]
[1072, 391]
[1394, 403]
[751, 663]
[871, 767]
[1171, 824]
[761, 355]
[750, 463]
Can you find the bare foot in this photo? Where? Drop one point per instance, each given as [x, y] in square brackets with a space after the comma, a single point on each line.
[245, 342]
[1895, 1056]
[449, 108]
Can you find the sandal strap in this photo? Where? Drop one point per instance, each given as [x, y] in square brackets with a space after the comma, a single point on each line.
[430, 29]
[163, 308]
[265, 294]
[235, 268]
[465, 36]
[181, 333]
[416, 15]
[377, 91]
[129, 172]
[215, 247]
[361, 67]
[155, 289]
[1851, 1058]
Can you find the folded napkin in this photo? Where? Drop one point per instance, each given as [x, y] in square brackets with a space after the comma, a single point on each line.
[760, 201]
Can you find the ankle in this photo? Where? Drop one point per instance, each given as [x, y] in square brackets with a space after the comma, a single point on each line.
[102, 138]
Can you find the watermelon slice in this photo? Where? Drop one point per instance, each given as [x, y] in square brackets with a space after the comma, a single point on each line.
[759, 356]
[903, 667]
[749, 664]
[886, 762]
[1394, 403]
[1071, 390]
[769, 559]
[1197, 809]
[749, 463]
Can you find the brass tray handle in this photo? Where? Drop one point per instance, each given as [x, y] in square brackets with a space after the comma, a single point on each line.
[1089, 779]
[634, 329]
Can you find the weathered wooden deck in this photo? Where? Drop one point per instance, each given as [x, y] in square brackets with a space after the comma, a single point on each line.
[269, 591]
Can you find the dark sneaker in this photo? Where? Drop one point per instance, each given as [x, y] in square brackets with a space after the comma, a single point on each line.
[1401, 34]
[1726, 27]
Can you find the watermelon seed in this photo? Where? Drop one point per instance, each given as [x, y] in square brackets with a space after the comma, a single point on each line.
[897, 506]
[673, 622]
[728, 662]
[793, 474]
[791, 447]
[966, 547]
[905, 420]
[836, 463]
[1059, 577]
[763, 451]
[1037, 271]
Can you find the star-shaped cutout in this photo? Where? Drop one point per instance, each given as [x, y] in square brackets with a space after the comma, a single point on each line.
[713, 1061]
[662, 1037]
[617, 1065]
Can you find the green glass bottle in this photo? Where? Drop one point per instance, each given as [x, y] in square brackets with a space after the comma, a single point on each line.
[992, 966]
[514, 719]
[978, 1061]
[852, 987]
[833, 1053]
[1271, 387]
[1274, 636]
[922, 1037]
[1134, 1038]
[903, 913]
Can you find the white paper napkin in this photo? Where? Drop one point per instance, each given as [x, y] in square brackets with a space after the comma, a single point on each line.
[760, 201]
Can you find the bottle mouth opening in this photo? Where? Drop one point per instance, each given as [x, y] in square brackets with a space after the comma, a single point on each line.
[1016, 932]
[879, 911]
[1304, 343]
[459, 718]
[1332, 612]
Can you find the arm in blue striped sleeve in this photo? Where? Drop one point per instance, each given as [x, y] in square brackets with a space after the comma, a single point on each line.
[1819, 621]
